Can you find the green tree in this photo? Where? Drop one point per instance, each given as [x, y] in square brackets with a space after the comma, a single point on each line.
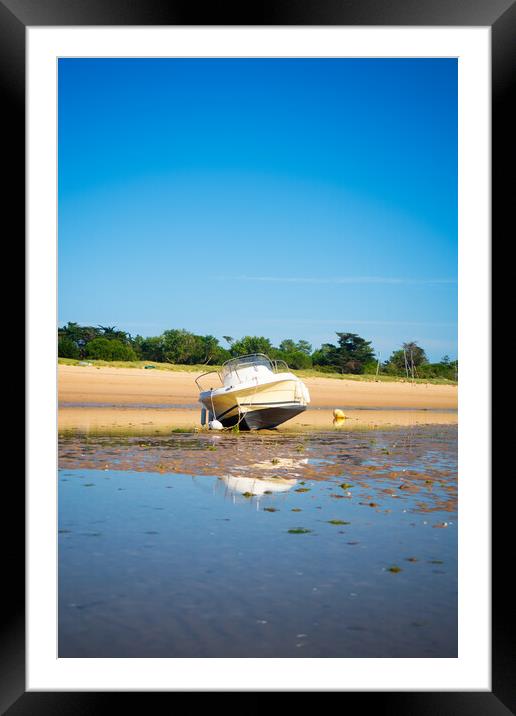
[221, 355]
[439, 370]
[182, 347]
[178, 345]
[353, 352]
[136, 345]
[112, 333]
[324, 355]
[106, 349]
[251, 344]
[80, 334]
[296, 359]
[152, 349]
[304, 347]
[288, 345]
[210, 346]
[350, 355]
[66, 348]
[415, 354]
[402, 362]
[370, 367]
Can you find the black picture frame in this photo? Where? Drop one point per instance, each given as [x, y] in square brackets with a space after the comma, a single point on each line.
[500, 15]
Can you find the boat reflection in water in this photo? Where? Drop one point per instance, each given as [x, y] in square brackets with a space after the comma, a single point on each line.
[261, 481]
[254, 488]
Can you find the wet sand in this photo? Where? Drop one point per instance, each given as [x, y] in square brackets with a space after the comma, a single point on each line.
[137, 400]
[259, 545]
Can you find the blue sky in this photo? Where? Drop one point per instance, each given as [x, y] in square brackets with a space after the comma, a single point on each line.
[290, 198]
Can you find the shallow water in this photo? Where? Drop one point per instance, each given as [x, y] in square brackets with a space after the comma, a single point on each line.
[259, 545]
[195, 406]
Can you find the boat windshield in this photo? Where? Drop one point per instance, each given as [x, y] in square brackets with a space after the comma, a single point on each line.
[239, 368]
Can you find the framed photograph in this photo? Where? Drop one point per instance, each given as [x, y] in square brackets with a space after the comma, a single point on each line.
[221, 495]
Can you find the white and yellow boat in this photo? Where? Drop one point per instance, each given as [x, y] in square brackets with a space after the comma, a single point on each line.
[255, 393]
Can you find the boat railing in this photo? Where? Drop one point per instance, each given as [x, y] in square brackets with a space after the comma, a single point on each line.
[279, 366]
[232, 366]
[203, 375]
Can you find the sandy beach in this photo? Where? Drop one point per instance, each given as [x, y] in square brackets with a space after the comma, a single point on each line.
[155, 401]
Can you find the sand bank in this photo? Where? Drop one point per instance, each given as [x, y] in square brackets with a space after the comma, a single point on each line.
[128, 399]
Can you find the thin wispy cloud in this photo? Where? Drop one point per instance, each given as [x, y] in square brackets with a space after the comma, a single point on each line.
[344, 280]
[359, 322]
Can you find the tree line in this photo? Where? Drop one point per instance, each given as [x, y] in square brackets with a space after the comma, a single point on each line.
[350, 354]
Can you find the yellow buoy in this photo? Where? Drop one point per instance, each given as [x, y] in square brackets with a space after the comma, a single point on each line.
[338, 414]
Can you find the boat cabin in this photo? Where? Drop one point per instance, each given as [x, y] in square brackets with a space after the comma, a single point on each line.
[245, 368]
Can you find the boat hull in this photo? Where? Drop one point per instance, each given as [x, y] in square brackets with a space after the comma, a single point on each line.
[263, 418]
[256, 407]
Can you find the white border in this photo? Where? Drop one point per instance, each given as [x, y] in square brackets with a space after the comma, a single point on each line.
[471, 670]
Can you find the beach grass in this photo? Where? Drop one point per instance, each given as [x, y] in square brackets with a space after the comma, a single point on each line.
[138, 364]
[369, 377]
